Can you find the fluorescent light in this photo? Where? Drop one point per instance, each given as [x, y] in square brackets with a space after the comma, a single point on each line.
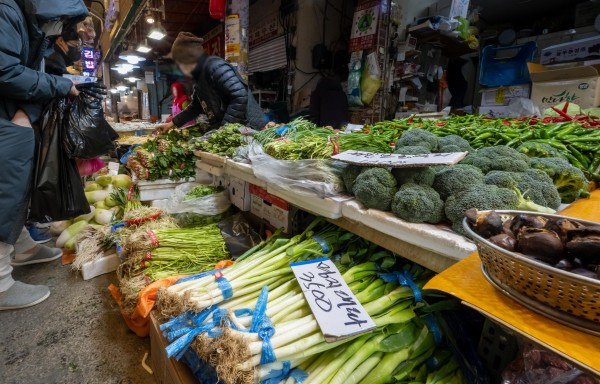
[132, 79]
[157, 32]
[113, 90]
[122, 88]
[123, 70]
[131, 57]
[143, 48]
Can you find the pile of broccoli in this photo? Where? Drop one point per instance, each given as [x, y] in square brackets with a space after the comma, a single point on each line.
[533, 177]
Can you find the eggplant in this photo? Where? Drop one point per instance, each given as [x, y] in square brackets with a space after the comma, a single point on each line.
[526, 220]
[584, 243]
[540, 243]
[585, 272]
[562, 227]
[485, 224]
[504, 241]
[564, 264]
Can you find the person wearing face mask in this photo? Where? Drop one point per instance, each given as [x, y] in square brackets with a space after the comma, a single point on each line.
[26, 26]
[67, 50]
[219, 91]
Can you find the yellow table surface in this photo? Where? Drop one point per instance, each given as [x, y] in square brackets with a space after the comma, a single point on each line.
[465, 281]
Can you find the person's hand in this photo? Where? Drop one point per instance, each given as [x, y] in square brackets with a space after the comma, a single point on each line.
[74, 91]
[163, 128]
[95, 90]
[21, 118]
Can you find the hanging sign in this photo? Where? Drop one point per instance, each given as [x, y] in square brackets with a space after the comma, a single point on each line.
[339, 314]
[393, 160]
[149, 77]
[232, 38]
[89, 59]
[213, 42]
[364, 26]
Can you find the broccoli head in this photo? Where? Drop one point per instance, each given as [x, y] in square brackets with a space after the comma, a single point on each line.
[500, 158]
[418, 137]
[533, 184]
[533, 149]
[418, 204]
[453, 179]
[349, 175]
[485, 197]
[422, 176]
[454, 143]
[375, 188]
[569, 180]
[412, 150]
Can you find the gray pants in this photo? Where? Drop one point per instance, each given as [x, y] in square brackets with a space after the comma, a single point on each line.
[24, 243]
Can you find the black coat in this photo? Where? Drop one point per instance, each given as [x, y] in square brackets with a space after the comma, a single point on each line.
[222, 95]
[56, 63]
[22, 86]
[329, 104]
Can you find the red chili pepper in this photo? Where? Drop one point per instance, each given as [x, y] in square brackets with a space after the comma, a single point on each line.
[547, 120]
[506, 123]
[566, 106]
[563, 114]
[533, 122]
[409, 121]
[441, 123]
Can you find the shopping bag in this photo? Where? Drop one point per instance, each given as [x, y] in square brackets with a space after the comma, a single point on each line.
[58, 192]
[87, 134]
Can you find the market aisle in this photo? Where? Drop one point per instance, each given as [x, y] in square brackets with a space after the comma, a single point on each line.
[76, 336]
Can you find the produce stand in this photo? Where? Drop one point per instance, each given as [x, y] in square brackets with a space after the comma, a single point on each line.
[165, 370]
[465, 281]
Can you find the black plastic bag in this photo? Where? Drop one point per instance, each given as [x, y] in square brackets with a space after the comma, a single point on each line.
[87, 134]
[58, 192]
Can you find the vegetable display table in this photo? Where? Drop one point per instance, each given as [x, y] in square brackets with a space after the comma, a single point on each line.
[466, 282]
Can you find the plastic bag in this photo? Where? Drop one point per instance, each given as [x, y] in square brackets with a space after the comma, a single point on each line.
[87, 134]
[354, 97]
[89, 167]
[322, 177]
[538, 366]
[371, 79]
[58, 192]
[238, 234]
[210, 205]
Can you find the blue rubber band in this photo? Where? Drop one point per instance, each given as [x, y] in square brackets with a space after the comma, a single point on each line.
[175, 321]
[265, 333]
[117, 226]
[281, 131]
[260, 309]
[226, 288]
[299, 375]
[403, 278]
[243, 312]
[196, 276]
[322, 243]
[276, 375]
[434, 328]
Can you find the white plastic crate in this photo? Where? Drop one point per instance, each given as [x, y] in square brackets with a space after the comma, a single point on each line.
[159, 189]
[100, 266]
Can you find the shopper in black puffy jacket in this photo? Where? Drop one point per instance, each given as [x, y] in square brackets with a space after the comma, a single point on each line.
[219, 91]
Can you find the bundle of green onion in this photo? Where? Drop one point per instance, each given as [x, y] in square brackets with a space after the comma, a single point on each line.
[230, 342]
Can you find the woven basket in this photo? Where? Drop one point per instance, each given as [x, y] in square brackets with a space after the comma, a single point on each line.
[567, 292]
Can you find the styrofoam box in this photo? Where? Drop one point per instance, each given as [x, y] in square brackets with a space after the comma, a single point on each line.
[212, 169]
[160, 204]
[159, 189]
[243, 172]
[203, 177]
[221, 181]
[239, 194]
[100, 266]
[272, 209]
[427, 236]
[330, 207]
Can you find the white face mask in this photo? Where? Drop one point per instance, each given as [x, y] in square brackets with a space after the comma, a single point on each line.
[53, 28]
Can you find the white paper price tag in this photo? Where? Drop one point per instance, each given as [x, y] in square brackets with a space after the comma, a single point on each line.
[333, 304]
[392, 160]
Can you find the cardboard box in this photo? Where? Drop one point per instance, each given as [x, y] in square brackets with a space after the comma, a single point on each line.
[495, 111]
[577, 50]
[166, 371]
[239, 194]
[576, 84]
[503, 95]
[270, 208]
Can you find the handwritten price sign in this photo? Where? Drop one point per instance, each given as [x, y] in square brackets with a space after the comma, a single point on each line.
[333, 304]
[393, 160]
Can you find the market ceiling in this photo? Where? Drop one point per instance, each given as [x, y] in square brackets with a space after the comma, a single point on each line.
[509, 11]
[180, 15]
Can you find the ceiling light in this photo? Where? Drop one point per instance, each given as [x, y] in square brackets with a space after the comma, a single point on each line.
[122, 88]
[122, 70]
[143, 47]
[131, 57]
[113, 90]
[132, 79]
[150, 17]
[157, 32]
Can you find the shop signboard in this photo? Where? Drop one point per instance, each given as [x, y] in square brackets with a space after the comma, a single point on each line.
[339, 314]
[364, 26]
[393, 160]
[213, 42]
[232, 38]
[89, 60]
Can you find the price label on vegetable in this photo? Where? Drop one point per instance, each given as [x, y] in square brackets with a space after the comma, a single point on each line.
[339, 314]
[393, 160]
